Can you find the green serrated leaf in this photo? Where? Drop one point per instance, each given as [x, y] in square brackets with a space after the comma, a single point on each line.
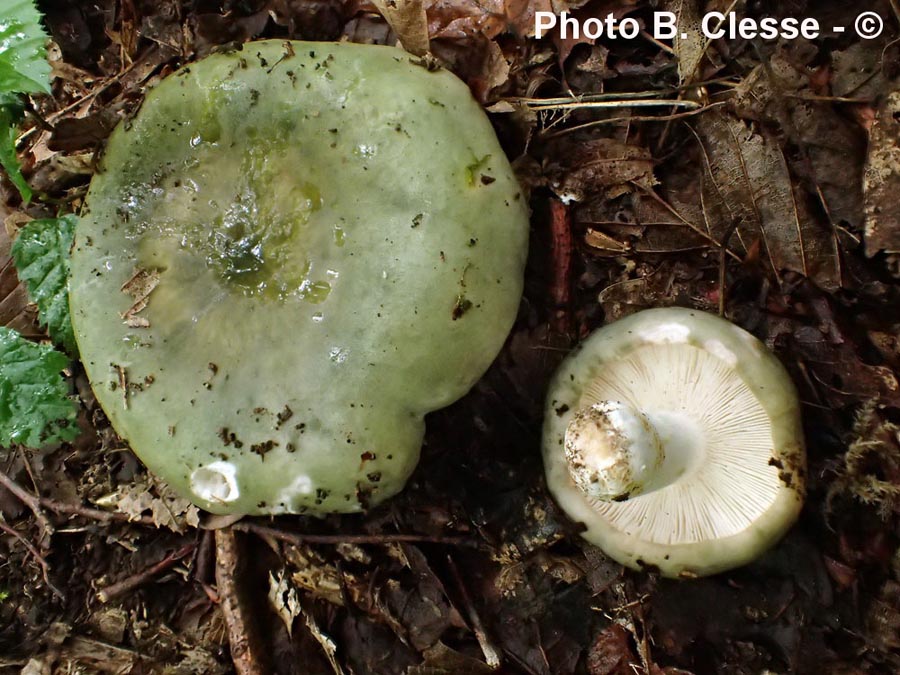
[41, 256]
[10, 113]
[35, 408]
[23, 49]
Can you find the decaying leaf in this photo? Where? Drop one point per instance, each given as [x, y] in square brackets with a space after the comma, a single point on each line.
[16, 310]
[689, 43]
[839, 372]
[416, 604]
[605, 167]
[325, 641]
[442, 660]
[284, 600]
[139, 286]
[407, 18]
[449, 19]
[747, 181]
[312, 574]
[883, 619]
[780, 92]
[611, 653]
[882, 180]
[144, 496]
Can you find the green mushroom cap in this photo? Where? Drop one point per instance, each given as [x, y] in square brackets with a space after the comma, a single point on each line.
[290, 255]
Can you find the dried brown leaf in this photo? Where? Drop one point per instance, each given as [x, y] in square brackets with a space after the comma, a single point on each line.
[611, 653]
[747, 180]
[479, 62]
[603, 167]
[689, 43]
[418, 603]
[16, 310]
[441, 660]
[840, 374]
[314, 575]
[140, 497]
[408, 19]
[780, 92]
[284, 600]
[882, 180]
[141, 284]
[459, 19]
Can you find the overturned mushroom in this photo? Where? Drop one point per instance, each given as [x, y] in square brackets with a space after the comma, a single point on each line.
[674, 436]
[290, 255]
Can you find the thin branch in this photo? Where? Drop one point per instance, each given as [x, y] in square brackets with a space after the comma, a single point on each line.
[45, 568]
[562, 246]
[137, 580]
[37, 504]
[722, 260]
[491, 653]
[96, 514]
[242, 631]
[33, 503]
[299, 539]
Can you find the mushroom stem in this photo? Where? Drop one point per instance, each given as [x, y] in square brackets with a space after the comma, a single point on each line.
[613, 451]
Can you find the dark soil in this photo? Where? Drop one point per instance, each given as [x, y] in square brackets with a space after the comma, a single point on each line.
[762, 190]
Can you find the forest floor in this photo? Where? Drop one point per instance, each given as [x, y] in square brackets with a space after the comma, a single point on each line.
[764, 186]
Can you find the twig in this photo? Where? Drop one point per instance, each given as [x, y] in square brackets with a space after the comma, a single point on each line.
[96, 514]
[241, 632]
[33, 503]
[136, 580]
[37, 556]
[298, 539]
[722, 260]
[491, 654]
[561, 249]
[92, 94]
[36, 503]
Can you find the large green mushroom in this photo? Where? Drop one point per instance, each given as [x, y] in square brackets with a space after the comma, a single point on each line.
[290, 255]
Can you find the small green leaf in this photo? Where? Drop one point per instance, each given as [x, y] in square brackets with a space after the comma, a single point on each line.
[35, 408]
[41, 255]
[10, 112]
[23, 49]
